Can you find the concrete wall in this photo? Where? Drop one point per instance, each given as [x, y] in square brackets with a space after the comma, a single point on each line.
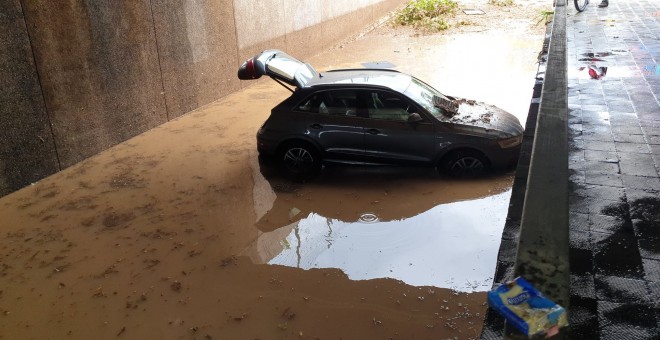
[99, 72]
[79, 76]
[27, 149]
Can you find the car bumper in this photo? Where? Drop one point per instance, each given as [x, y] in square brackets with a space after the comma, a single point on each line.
[265, 146]
[506, 158]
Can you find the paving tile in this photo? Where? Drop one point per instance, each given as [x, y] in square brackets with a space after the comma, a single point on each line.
[580, 239]
[602, 192]
[603, 167]
[623, 118]
[626, 321]
[654, 292]
[623, 290]
[653, 140]
[595, 118]
[583, 286]
[654, 124]
[577, 176]
[637, 164]
[576, 144]
[581, 261]
[649, 230]
[652, 274]
[578, 221]
[583, 318]
[598, 178]
[646, 207]
[629, 129]
[617, 255]
[578, 204]
[610, 224]
[620, 106]
[576, 161]
[632, 147]
[607, 207]
[601, 156]
[573, 134]
[599, 145]
[649, 248]
[624, 133]
[641, 182]
[629, 138]
[650, 131]
[594, 108]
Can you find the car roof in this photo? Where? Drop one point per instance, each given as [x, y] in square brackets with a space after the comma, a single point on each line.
[363, 76]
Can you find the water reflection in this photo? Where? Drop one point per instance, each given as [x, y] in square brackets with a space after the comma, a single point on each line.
[422, 231]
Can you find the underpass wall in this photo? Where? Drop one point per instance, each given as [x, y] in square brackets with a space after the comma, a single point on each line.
[27, 149]
[79, 76]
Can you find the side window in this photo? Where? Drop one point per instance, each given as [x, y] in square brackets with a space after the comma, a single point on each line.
[388, 106]
[342, 102]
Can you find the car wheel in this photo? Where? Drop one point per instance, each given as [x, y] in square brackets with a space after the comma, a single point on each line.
[300, 159]
[464, 163]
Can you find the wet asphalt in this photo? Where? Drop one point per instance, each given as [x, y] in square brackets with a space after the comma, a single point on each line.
[614, 164]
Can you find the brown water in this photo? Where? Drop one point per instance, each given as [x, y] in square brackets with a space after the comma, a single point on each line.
[181, 233]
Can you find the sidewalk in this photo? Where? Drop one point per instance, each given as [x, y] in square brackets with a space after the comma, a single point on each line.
[614, 164]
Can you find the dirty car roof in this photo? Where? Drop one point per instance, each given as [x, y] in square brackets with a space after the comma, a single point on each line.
[388, 78]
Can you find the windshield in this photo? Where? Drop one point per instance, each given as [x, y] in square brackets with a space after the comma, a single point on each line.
[423, 94]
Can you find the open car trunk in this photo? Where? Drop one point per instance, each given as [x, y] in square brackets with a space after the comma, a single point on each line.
[279, 66]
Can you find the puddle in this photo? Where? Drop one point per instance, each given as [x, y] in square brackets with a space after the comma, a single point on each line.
[464, 236]
[596, 71]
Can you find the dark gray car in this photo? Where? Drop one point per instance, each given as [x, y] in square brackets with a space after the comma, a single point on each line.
[377, 116]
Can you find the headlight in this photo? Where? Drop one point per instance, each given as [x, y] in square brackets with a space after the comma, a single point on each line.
[510, 142]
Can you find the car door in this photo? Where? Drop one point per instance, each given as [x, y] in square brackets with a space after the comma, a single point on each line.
[390, 136]
[332, 122]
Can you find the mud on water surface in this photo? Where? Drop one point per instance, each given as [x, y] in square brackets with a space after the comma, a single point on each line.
[182, 233]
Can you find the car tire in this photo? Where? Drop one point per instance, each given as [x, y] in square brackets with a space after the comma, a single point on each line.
[300, 160]
[463, 163]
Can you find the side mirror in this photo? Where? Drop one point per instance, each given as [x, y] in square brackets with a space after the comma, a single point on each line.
[414, 118]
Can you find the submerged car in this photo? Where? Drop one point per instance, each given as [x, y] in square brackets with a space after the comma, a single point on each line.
[377, 117]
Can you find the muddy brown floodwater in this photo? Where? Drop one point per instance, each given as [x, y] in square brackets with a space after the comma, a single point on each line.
[181, 232]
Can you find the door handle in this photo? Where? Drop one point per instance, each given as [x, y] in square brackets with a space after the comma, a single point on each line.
[373, 131]
[316, 126]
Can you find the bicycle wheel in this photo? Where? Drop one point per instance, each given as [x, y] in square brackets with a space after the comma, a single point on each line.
[580, 5]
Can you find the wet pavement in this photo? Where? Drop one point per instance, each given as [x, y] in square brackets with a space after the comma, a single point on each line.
[614, 164]
[181, 232]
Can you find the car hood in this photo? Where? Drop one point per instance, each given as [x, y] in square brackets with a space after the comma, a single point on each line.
[474, 116]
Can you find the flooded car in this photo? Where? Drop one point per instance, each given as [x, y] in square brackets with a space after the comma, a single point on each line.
[377, 117]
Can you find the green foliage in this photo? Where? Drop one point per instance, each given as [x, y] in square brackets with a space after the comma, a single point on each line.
[545, 16]
[501, 3]
[427, 14]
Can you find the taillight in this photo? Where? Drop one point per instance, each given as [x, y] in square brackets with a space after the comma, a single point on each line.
[250, 69]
